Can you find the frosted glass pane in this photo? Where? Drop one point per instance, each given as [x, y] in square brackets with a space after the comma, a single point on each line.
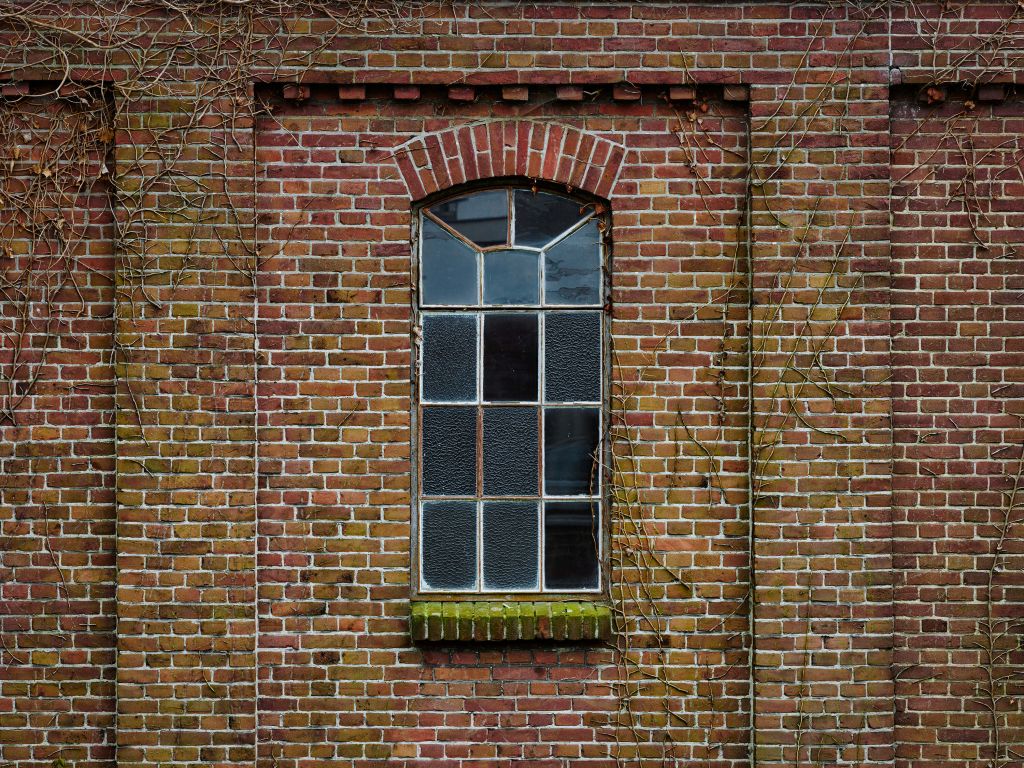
[449, 545]
[449, 358]
[511, 277]
[449, 451]
[572, 531]
[541, 216]
[510, 452]
[510, 545]
[481, 216]
[572, 363]
[570, 442]
[510, 357]
[448, 268]
[573, 268]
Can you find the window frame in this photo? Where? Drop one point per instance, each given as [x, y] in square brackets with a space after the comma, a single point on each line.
[601, 214]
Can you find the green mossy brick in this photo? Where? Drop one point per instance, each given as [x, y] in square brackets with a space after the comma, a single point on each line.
[543, 631]
[573, 621]
[481, 615]
[512, 625]
[604, 623]
[559, 621]
[449, 621]
[465, 621]
[527, 621]
[418, 621]
[433, 621]
[496, 621]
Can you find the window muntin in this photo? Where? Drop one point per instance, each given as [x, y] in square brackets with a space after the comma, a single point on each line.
[511, 387]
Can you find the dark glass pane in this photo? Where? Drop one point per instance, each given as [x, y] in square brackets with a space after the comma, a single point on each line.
[448, 266]
[573, 268]
[572, 356]
[449, 544]
[510, 357]
[449, 357]
[449, 451]
[510, 452]
[510, 545]
[511, 277]
[570, 443]
[541, 216]
[481, 217]
[572, 531]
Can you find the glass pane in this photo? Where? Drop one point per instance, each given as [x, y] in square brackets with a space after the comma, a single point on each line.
[449, 544]
[573, 268]
[481, 217]
[448, 266]
[572, 356]
[449, 358]
[570, 444]
[511, 277]
[510, 357]
[510, 452]
[572, 532]
[541, 216]
[510, 545]
[449, 451]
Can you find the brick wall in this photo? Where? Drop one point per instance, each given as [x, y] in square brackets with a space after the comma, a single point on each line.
[57, 511]
[957, 279]
[768, 344]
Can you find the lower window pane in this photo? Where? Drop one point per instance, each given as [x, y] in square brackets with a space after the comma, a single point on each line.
[572, 532]
[510, 545]
[570, 446]
[449, 545]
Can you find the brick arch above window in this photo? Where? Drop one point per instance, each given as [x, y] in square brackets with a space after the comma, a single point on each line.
[548, 151]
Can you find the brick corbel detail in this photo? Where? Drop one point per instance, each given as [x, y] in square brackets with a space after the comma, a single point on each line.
[551, 152]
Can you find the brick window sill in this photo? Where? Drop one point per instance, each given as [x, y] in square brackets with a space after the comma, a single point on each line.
[490, 621]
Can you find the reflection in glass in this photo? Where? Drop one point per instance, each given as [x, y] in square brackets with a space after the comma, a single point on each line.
[573, 268]
[449, 544]
[449, 358]
[510, 451]
[571, 534]
[541, 216]
[510, 545]
[511, 277]
[448, 268]
[481, 217]
[570, 447]
[572, 356]
[449, 451]
[510, 357]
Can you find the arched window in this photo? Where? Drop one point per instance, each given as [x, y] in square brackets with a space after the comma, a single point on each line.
[511, 390]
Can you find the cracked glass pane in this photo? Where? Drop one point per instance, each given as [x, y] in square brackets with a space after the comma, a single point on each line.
[448, 365]
[449, 451]
[510, 545]
[572, 356]
[449, 544]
